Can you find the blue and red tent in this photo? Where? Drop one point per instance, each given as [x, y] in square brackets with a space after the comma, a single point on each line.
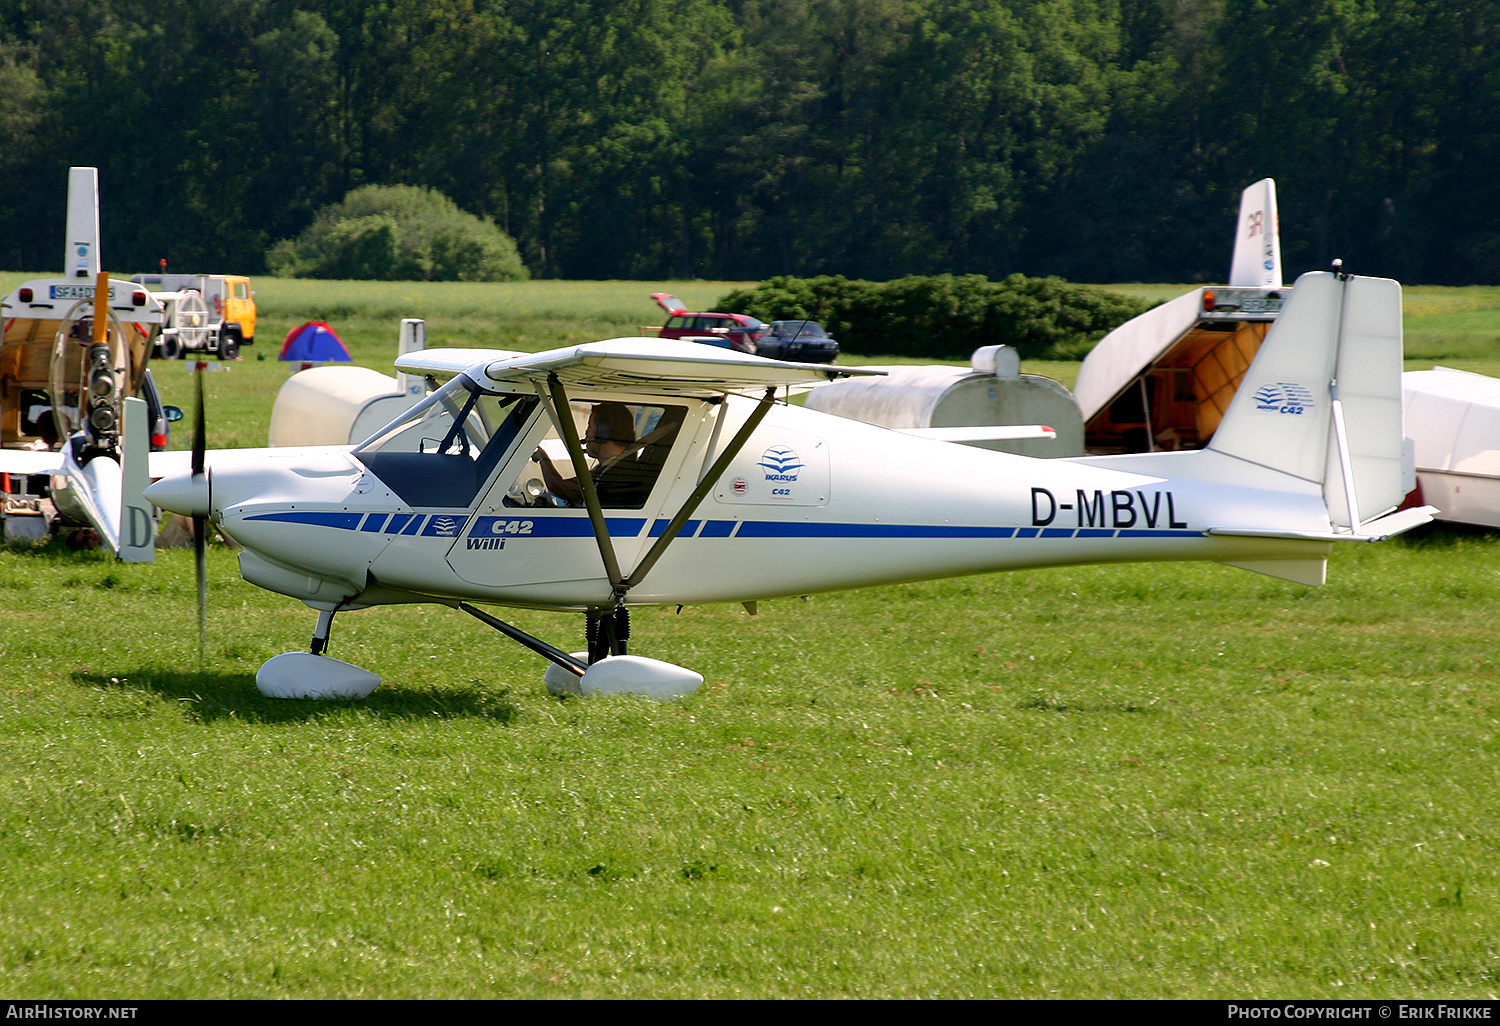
[314, 342]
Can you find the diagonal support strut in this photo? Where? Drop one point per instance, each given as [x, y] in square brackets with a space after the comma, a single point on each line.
[674, 527]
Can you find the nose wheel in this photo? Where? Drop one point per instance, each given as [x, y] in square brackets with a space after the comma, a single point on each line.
[313, 674]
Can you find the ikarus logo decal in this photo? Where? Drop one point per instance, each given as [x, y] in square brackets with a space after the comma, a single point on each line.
[791, 471]
[780, 463]
[445, 527]
[1284, 397]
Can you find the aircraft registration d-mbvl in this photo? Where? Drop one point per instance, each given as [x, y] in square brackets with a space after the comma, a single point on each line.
[638, 472]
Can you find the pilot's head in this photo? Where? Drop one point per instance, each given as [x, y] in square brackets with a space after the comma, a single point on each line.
[611, 430]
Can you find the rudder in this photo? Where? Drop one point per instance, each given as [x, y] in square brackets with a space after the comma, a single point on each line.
[1335, 349]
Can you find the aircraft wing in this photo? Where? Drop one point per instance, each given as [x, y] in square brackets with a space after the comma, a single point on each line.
[662, 366]
[445, 363]
[982, 432]
[30, 461]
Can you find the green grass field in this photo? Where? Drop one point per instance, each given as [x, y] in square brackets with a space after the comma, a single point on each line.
[1131, 781]
[1171, 781]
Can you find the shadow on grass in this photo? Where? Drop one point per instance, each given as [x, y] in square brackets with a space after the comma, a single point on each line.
[213, 697]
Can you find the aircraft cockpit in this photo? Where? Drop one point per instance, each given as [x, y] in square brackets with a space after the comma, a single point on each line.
[626, 445]
[444, 450]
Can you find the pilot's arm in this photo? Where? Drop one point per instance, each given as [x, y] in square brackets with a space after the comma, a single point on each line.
[566, 487]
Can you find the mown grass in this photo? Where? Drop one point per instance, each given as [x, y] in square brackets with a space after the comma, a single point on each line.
[1172, 781]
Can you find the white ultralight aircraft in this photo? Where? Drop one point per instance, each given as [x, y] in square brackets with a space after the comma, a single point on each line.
[639, 472]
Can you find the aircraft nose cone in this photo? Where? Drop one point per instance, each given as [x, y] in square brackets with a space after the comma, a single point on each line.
[181, 493]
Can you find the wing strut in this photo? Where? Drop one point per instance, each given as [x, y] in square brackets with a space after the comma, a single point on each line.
[538, 646]
[704, 484]
[556, 402]
[558, 409]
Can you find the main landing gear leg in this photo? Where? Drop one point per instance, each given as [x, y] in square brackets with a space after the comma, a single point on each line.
[612, 672]
[320, 632]
[606, 633]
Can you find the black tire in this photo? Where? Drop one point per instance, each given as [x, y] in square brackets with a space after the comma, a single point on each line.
[169, 348]
[229, 345]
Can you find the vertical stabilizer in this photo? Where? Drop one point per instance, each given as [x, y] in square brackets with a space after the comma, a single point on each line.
[1257, 240]
[137, 529]
[81, 259]
[1322, 401]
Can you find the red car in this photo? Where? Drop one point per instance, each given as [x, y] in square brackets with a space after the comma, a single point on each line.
[730, 331]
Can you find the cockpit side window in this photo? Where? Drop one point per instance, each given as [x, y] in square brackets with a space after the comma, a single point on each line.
[445, 448]
[627, 445]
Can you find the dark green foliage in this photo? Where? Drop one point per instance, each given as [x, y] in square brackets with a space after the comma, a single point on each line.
[944, 316]
[398, 233]
[1098, 140]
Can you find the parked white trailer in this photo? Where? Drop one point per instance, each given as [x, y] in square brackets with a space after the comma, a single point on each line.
[1453, 421]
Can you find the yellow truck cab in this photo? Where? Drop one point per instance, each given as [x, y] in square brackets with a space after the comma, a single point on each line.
[238, 310]
[213, 313]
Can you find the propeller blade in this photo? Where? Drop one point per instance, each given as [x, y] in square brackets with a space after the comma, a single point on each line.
[200, 556]
[200, 523]
[199, 439]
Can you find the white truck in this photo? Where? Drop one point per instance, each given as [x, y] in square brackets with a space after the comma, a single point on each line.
[209, 313]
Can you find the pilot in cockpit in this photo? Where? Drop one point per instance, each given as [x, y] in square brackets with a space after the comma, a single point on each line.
[623, 471]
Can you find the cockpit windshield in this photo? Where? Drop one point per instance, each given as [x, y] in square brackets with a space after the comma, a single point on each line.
[443, 449]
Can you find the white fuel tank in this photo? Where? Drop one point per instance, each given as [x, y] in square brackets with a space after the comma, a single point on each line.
[992, 391]
[335, 406]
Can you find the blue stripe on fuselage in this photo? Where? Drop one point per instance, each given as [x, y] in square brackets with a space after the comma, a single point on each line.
[631, 527]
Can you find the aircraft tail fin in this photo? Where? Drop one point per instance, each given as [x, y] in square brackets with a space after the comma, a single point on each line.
[1322, 400]
[1257, 239]
[81, 254]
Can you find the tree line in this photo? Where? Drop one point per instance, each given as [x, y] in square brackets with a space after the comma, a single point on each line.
[1099, 140]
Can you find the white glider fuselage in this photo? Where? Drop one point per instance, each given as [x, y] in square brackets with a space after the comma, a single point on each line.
[812, 503]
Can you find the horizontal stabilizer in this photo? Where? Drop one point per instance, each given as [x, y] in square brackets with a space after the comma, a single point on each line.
[1379, 529]
[30, 461]
[1399, 522]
